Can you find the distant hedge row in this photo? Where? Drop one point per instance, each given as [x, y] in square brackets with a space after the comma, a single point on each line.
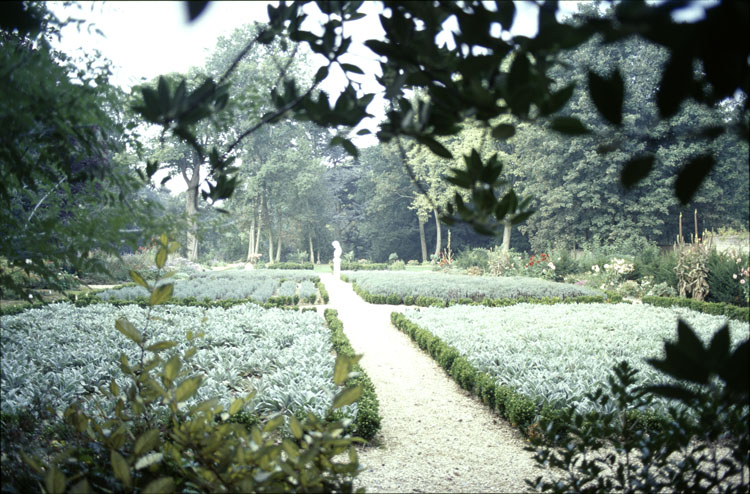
[714, 308]
[290, 265]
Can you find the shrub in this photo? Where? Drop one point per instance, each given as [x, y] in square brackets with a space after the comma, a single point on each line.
[473, 257]
[565, 263]
[629, 288]
[474, 271]
[692, 270]
[725, 277]
[413, 262]
[397, 266]
[501, 263]
[661, 290]
[657, 264]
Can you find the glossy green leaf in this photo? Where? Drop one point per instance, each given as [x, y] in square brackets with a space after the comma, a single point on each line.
[435, 146]
[126, 327]
[274, 423]
[120, 468]
[162, 345]
[295, 427]
[135, 276]
[161, 485]
[188, 388]
[692, 176]
[608, 94]
[54, 480]
[172, 368]
[195, 8]
[82, 487]
[161, 257]
[161, 294]
[146, 442]
[352, 68]
[236, 406]
[504, 131]
[636, 169]
[569, 126]
[521, 217]
[347, 396]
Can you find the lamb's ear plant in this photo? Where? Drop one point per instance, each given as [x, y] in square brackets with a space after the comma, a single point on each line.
[151, 441]
[702, 445]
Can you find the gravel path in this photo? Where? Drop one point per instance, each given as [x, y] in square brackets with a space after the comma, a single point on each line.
[434, 436]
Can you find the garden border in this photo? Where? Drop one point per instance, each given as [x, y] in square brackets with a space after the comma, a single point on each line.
[423, 301]
[714, 308]
[517, 408]
[367, 423]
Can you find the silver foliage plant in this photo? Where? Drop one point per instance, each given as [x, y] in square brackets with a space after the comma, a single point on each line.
[555, 354]
[453, 287]
[54, 355]
[258, 286]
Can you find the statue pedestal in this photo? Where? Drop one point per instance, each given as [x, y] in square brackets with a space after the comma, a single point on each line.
[336, 259]
[337, 268]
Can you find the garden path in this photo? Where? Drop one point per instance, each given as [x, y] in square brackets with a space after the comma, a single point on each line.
[434, 436]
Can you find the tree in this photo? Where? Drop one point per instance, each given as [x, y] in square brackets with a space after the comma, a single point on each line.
[575, 180]
[484, 76]
[65, 183]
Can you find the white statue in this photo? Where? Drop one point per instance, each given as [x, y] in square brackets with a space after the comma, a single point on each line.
[336, 259]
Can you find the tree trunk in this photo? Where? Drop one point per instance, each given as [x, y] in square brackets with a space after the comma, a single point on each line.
[439, 240]
[312, 253]
[506, 236]
[251, 241]
[278, 238]
[278, 247]
[260, 223]
[422, 240]
[191, 205]
[270, 245]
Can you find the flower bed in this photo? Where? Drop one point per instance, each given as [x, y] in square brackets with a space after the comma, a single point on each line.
[554, 354]
[407, 287]
[60, 353]
[257, 286]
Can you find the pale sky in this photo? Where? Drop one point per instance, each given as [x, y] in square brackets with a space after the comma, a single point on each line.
[148, 38]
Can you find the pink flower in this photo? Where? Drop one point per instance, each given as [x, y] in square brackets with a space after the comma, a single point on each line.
[742, 282]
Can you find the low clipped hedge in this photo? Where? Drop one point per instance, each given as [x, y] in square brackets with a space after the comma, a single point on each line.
[323, 291]
[422, 301]
[367, 423]
[362, 266]
[713, 308]
[274, 302]
[290, 265]
[520, 410]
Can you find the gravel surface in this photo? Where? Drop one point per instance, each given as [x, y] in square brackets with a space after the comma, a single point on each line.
[434, 436]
